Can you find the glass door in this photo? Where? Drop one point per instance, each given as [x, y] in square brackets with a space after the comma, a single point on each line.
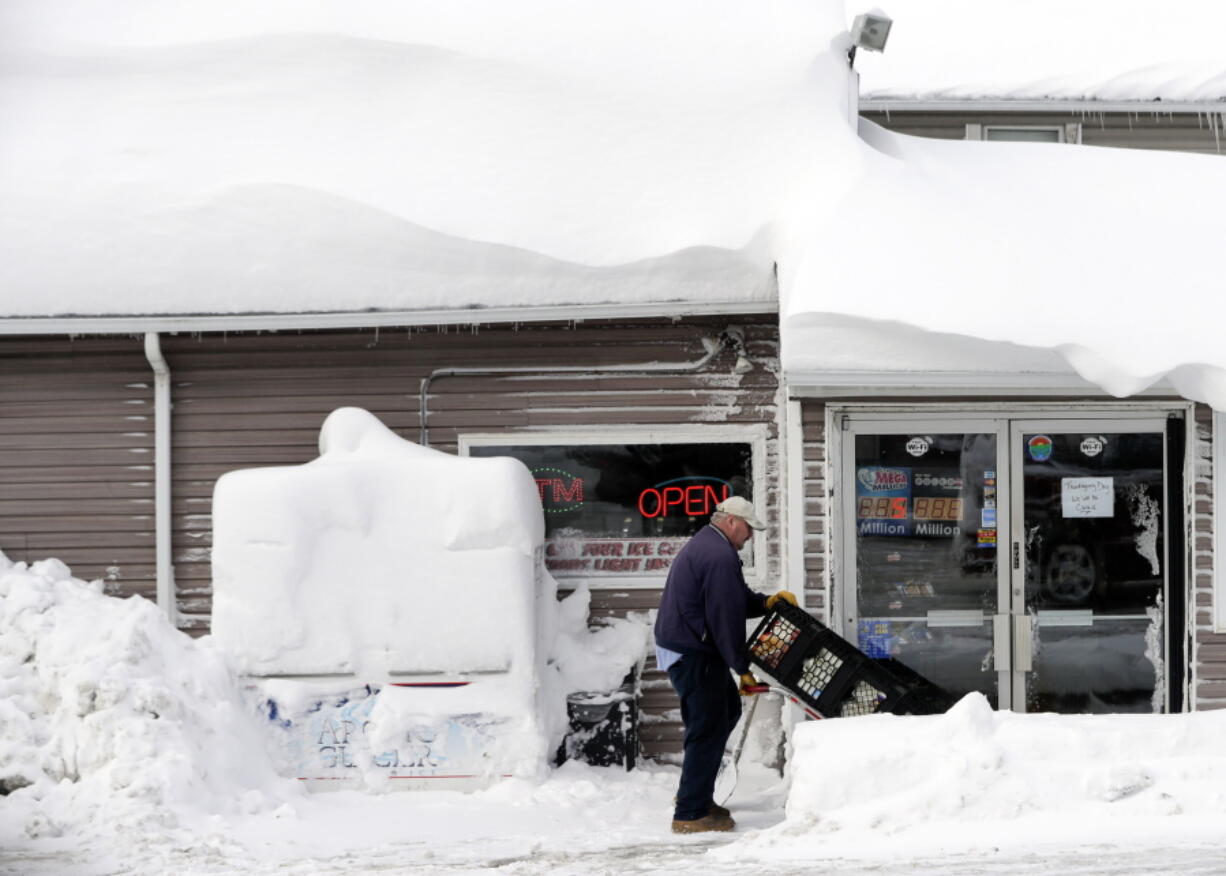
[1023, 558]
[922, 521]
[1089, 560]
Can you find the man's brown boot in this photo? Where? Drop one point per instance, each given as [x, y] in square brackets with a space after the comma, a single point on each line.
[710, 822]
[713, 809]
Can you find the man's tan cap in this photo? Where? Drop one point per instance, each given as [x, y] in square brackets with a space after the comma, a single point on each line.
[739, 506]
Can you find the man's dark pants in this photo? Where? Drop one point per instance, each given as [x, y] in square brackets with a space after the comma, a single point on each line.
[710, 708]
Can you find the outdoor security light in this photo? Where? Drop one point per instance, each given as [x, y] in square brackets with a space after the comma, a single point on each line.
[870, 31]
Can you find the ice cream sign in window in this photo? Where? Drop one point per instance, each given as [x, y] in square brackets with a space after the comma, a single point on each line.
[626, 509]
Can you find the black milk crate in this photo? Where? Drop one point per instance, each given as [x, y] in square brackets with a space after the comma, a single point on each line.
[833, 676]
[782, 639]
[921, 696]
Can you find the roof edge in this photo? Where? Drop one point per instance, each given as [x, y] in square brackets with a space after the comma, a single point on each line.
[846, 384]
[1049, 104]
[90, 325]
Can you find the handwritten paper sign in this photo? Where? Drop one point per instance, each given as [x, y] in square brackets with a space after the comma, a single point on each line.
[1088, 497]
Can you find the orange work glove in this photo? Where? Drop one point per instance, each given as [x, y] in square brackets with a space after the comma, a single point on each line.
[786, 595]
[747, 682]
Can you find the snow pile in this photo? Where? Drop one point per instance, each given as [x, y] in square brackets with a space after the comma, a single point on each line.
[594, 660]
[420, 574]
[974, 777]
[379, 558]
[380, 737]
[168, 156]
[110, 719]
[948, 245]
[288, 156]
[1123, 50]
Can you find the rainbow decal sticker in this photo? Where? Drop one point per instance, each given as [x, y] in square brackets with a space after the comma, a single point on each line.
[1040, 448]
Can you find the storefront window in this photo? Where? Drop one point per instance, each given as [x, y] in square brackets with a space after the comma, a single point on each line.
[626, 509]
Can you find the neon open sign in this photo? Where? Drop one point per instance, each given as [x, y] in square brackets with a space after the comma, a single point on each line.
[594, 495]
[682, 497]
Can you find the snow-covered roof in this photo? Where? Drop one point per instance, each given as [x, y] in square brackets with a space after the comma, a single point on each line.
[1085, 50]
[968, 260]
[287, 156]
[294, 155]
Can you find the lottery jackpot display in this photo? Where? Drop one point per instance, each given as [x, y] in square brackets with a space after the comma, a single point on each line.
[907, 500]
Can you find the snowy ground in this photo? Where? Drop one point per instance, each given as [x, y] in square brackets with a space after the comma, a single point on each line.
[582, 821]
[125, 747]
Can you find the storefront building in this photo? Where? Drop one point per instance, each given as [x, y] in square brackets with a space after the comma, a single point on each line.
[1028, 537]
[1034, 540]
[1053, 553]
[1010, 530]
[633, 428]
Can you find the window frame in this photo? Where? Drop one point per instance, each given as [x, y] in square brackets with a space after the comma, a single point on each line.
[1069, 132]
[756, 435]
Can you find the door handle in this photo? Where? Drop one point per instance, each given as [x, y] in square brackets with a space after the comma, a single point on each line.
[1002, 644]
[1023, 635]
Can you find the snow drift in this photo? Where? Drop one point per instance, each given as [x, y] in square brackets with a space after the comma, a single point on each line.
[110, 719]
[380, 557]
[966, 241]
[975, 777]
[391, 608]
[1126, 50]
[381, 564]
[284, 158]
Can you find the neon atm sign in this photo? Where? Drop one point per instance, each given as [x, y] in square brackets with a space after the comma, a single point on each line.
[559, 490]
[682, 497]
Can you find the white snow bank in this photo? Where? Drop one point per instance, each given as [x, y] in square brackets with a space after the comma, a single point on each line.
[598, 659]
[417, 577]
[112, 720]
[379, 558]
[336, 733]
[174, 157]
[974, 777]
[1106, 256]
[1123, 50]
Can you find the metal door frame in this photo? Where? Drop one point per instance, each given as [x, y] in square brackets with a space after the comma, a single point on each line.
[1023, 623]
[845, 421]
[848, 610]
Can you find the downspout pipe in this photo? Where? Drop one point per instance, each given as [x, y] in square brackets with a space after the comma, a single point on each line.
[161, 486]
[732, 337]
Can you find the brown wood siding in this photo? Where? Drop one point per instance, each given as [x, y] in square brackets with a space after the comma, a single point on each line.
[1182, 132]
[259, 399]
[76, 458]
[660, 731]
[816, 550]
[1208, 670]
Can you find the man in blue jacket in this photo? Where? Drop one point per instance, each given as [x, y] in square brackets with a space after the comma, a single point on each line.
[700, 635]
